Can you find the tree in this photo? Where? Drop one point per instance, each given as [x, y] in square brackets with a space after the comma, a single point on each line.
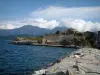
[78, 34]
[57, 32]
[75, 41]
[89, 37]
[70, 31]
[64, 42]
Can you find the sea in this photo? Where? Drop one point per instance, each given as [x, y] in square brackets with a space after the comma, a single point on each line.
[25, 59]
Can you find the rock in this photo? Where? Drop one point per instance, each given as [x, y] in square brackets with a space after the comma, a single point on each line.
[77, 53]
[85, 61]
[76, 67]
[60, 73]
[67, 72]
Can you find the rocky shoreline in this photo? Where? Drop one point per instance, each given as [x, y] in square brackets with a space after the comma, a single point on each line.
[85, 61]
[37, 44]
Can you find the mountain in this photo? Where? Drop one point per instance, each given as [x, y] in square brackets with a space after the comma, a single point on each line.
[25, 30]
[29, 30]
[59, 29]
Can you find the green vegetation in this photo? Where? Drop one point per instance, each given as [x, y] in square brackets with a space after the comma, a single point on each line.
[78, 34]
[89, 37]
[33, 38]
[70, 31]
[80, 39]
[29, 38]
[79, 42]
[57, 32]
[64, 42]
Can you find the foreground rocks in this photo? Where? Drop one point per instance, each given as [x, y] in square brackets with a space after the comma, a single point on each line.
[85, 61]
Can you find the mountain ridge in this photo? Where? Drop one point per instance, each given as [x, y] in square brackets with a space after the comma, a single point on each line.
[29, 30]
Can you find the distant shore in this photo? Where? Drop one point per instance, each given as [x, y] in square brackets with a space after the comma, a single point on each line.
[37, 44]
[85, 61]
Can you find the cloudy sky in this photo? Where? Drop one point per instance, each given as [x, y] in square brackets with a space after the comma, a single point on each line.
[83, 15]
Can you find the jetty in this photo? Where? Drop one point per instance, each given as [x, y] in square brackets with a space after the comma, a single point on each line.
[85, 61]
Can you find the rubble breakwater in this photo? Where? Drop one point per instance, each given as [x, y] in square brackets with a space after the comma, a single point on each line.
[85, 61]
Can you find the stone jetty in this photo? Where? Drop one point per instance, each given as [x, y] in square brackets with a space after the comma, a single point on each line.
[85, 61]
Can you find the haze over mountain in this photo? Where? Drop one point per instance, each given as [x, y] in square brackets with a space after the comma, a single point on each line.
[29, 30]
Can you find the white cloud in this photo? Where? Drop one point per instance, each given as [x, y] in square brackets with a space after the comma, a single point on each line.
[81, 25]
[7, 26]
[59, 16]
[57, 13]
[78, 24]
[45, 24]
[40, 22]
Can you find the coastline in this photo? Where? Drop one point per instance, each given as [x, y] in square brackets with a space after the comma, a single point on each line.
[37, 44]
[85, 61]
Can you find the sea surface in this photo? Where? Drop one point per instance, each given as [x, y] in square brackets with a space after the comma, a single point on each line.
[24, 59]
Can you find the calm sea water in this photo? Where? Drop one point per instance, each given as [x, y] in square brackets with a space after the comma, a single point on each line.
[24, 59]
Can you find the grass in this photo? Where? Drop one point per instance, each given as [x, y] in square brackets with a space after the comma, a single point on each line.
[33, 38]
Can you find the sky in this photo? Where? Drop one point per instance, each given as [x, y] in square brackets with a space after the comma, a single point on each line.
[82, 15]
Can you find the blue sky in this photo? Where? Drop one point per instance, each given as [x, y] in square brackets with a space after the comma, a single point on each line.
[14, 13]
[17, 9]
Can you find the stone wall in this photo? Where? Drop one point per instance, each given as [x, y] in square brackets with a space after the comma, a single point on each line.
[56, 38]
